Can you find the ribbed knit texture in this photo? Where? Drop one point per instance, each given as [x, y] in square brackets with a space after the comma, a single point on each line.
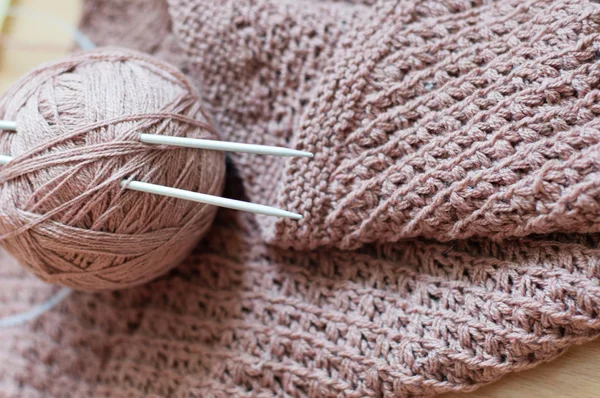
[451, 210]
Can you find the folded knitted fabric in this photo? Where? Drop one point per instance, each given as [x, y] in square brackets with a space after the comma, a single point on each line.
[451, 209]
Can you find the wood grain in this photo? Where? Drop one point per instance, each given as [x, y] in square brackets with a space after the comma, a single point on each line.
[27, 42]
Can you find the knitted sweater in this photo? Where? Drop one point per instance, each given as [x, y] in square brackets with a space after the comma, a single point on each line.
[451, 211]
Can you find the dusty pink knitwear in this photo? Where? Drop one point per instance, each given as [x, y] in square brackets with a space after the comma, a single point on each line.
[451, 210]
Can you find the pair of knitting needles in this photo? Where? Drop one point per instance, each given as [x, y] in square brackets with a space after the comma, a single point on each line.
[214, 145]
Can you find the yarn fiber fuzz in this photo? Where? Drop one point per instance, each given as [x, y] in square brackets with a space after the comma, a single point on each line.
[450, 230]
[64, 215]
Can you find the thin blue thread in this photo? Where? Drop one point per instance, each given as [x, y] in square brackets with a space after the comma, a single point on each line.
[35, 312]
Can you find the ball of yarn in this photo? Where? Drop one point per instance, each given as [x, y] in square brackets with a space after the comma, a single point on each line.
[63, 213]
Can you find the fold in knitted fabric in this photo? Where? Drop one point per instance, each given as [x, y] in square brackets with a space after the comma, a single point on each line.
[451, 209]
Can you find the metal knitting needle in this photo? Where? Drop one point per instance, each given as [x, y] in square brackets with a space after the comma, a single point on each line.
[222, 145]
[8, 125]
[197, 197]
[214, 145]
[5, 159]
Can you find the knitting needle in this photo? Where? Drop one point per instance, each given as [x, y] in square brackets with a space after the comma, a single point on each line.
[222, 145]
[5, 159]
[208, 199]
[197, 197]
[8, 125]
[214, 145]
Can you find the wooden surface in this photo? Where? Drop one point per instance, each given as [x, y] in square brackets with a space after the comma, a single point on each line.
[28, 41]
[38, 33]
[575, 374]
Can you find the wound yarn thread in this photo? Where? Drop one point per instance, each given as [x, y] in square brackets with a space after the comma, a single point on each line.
[64, 215]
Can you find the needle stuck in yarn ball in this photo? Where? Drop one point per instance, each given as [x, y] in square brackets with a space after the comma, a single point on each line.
[64, 214]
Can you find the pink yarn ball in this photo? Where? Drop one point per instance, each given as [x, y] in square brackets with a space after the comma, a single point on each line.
[63, 213]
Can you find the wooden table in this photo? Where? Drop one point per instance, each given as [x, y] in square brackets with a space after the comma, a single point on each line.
[28, 41]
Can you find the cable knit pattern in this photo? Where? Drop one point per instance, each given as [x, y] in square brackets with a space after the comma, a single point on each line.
[439, 119]
[457, 156]
[479, 123]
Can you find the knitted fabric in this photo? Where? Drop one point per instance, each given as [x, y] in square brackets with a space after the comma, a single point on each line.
[451, 209]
